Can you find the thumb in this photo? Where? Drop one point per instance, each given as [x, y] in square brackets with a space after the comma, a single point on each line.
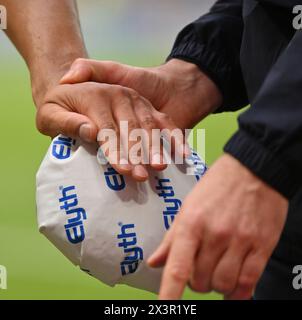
[52, 120]
[83, 70]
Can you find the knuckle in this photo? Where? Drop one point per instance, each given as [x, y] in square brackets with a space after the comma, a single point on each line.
[96, 90]
[111, 64]
[188, 219]
[100, 89]
[191, 217]
[107, 125]
[191, 210]
[121, 92]
[199, 286]
[148, 122]
[246, 282]
[163, 117]
[132, 124]
[222, 285]
[133, 94]
[192, 222]
[79, 62]
[245, 236]
[221, 233]
[179, 274]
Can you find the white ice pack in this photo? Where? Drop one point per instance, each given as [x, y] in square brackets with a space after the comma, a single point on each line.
[106, 223]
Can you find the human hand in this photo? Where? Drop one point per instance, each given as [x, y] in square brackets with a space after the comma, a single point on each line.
[83, 110]
[177, 88]
[224, 234]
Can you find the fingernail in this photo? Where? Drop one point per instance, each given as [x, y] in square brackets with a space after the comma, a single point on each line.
[140, 171]
[156, 158]
[125, 165]
[186, 150]
[151, 261]
[85, 132]
[124, 161]
[151, 257]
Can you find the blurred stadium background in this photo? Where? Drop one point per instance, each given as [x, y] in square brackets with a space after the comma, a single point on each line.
[131, 31]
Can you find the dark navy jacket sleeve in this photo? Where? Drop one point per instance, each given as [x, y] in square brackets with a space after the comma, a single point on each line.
[269, 140]
[213, 43]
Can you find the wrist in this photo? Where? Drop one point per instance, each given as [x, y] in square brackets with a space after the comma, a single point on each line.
[252, 182]
[46, 74]
[204, 86]
[193, 88]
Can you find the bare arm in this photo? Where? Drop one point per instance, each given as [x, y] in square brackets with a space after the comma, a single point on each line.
[48, 36]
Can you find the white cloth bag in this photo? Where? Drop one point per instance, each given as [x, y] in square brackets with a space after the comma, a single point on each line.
[103, 222]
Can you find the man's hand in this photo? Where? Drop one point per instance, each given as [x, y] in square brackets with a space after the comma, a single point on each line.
[177, 88]
[83, 110]
[224, 234]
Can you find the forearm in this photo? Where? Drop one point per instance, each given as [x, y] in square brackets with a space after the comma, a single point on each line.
[48, 36]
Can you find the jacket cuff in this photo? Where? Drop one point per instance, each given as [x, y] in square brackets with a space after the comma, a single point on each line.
[216, 67]
[263, 163]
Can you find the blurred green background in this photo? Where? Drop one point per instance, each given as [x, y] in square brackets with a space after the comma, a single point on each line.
[131, 31]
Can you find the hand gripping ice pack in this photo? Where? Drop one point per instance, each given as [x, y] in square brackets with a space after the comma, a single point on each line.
[106, 223]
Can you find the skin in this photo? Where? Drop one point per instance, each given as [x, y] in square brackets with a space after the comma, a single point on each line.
[177, 88]
[38, 29]
[48, 36]
[231, 222]
[222, 242]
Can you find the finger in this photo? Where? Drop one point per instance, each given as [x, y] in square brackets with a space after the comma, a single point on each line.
[250, 273]
[226, 274]
[108, 133]
[173, 134]
[109, 142]
[179, 263]
[52, 120]
[140, 173]
[125, 116]
[212, 249]
[83, 70]
[152, 138]
[159, 257]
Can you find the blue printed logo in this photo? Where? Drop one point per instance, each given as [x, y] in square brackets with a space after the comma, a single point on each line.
[61, 147]
[199, 166]
[133, 253]
[69, 203]
[114, 180]
[165, 190]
